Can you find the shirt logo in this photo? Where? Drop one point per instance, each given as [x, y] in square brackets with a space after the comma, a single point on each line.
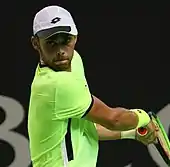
[55, 20]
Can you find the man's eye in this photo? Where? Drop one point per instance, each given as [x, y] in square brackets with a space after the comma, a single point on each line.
[69, 39]
[51, 43]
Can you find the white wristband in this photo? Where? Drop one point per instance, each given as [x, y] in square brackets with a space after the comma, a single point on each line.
[130, 134]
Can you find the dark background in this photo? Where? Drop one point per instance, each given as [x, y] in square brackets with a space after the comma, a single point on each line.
[124, 50]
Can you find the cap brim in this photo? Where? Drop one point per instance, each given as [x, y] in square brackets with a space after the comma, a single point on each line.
[54, 30]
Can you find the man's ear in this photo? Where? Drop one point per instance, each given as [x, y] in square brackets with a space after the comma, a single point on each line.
[35, 44]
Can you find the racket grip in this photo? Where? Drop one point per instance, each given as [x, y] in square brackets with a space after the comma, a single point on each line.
[142, 131]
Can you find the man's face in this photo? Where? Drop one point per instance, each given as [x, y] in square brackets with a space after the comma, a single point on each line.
[57, 51]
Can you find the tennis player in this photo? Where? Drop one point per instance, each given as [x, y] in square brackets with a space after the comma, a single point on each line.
[65, 120]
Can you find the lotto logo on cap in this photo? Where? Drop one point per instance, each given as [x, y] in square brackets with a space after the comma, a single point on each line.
[51, 20]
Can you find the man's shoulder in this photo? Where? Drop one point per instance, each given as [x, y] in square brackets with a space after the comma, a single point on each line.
[76, 53]
[53, 79]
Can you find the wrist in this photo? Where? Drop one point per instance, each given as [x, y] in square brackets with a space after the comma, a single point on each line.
[143, 117]
[130, 134]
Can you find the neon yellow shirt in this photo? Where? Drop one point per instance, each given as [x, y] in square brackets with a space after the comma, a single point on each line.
[59, 135]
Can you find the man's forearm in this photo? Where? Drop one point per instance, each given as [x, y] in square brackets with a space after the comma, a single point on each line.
[106, 134]
[118, 118]
[124, 119]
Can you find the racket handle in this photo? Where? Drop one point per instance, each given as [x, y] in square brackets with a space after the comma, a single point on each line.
[142, 131]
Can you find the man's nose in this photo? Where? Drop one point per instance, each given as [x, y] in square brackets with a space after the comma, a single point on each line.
[60, 52]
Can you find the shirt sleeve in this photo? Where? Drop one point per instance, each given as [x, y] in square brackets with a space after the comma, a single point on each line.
[72, 97]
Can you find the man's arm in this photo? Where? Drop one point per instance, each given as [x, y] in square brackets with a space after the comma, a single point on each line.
[119, 119]
[106, 134]
[74, 100]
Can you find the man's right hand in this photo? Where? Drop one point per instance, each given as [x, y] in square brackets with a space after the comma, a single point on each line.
[151, 135]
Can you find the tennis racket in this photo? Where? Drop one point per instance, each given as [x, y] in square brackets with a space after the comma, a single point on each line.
[162, 143]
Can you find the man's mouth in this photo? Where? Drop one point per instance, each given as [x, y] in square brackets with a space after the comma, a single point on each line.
[61, 62]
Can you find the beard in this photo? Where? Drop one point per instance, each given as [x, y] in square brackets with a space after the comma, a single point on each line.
[55, 65]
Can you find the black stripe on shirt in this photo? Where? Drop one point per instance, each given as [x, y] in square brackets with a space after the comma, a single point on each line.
[91, 105]
[69, 146]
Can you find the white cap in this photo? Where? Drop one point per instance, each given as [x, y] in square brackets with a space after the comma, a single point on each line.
[53, 19]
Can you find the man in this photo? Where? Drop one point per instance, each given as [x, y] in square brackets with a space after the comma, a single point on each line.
[65, 121]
